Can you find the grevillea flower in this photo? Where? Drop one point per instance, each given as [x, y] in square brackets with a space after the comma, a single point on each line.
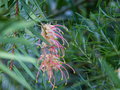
[52, 63]
[52, 33]
[51, 54]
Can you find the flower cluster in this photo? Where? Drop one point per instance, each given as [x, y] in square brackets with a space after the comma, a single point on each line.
[51, 54]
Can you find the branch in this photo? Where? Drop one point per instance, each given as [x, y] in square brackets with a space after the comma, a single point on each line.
[17, 8]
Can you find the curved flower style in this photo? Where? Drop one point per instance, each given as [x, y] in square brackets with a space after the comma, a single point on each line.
[52, 63]
[51, 54]
[52, 33]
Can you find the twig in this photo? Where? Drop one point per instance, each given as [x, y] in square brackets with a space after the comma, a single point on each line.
[17, 8]
[13, 48]
[11, 62]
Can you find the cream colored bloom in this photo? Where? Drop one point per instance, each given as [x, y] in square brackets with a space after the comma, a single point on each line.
[51, 54]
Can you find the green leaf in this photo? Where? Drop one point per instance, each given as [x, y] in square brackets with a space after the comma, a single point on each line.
[27, 70]
[37, 3]
[17, 57]
[99, 2]
[15, 26]
[14, 76]
[107, 69]
[15, 40]
[29, 11]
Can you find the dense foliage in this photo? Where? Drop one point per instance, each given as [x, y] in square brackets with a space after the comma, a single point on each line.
[93, 36]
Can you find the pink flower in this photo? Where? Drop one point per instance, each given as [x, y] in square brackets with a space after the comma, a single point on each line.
[51, 54]
[51, 33]
[52, 63]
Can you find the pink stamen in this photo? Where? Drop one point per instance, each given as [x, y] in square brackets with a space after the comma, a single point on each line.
[65, 78]
[66, 71]
[69, 67]
[57, 29]
[54, 82]
[37, 74]
[59, 25]
[57, 44]
[63, 39]
[61, 72]
[58, 32]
